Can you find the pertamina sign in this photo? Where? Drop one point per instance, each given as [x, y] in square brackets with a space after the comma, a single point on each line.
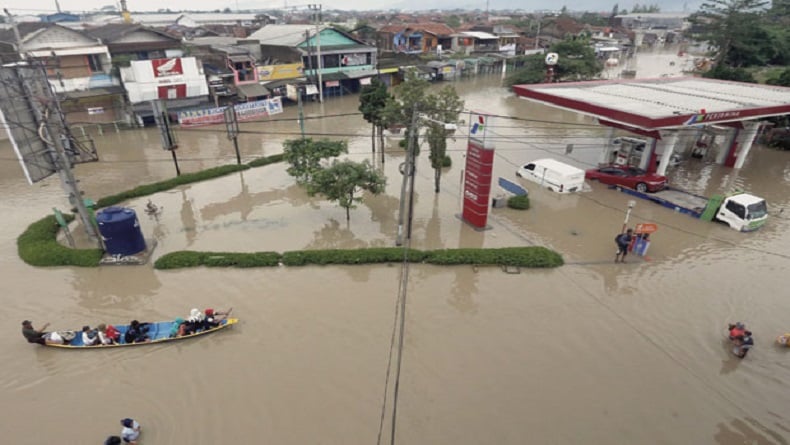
[477, 180]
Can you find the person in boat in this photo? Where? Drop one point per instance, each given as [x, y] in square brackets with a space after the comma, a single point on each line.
[131, 431]
[177, 329]
[33, 335]
[137, 332]
[101, 332]
[736, 330]
[195, 321]
[214, 318]
[40, 336]
[112, 334]
[89, 336]
[742, 344]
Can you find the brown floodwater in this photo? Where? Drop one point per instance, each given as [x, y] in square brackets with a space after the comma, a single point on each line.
[591, 352]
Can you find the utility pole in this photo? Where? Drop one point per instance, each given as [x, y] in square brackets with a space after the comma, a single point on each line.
[407, 170]
[319, 67]
[18, 38]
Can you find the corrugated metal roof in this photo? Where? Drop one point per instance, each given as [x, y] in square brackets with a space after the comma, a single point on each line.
[664, 103]
[283, 35]
[479, 35]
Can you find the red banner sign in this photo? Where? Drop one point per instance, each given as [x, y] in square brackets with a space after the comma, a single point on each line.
[167, 67]
[477, 182]
[646, 228]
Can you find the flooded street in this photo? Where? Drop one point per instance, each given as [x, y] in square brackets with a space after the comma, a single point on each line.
[591, 352]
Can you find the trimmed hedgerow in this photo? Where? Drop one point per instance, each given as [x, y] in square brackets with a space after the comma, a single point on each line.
[186, 178]
[533, 256]
[188, 258]
[38, 246]
[353, 256]
[509, 256]
[266, 160]
[519, 202]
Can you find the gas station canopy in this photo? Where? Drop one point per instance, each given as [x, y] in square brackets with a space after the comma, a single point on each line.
[663, 103]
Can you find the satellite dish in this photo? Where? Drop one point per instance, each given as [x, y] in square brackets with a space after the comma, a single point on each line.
[552, 58]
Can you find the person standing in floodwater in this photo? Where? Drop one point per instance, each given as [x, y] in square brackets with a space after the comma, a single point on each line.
[623, 240]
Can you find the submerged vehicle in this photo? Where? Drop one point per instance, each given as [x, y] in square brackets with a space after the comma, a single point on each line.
[741, 211]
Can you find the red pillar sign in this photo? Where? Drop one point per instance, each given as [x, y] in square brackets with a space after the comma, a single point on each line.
[477, 183]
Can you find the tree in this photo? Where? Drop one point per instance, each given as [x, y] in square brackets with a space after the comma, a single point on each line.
[372, 100]
[343, 180]
[782, 80]
[409, 98]
[445, 107]
[733, 27]
[724, 72]
[305, 156]
[577, 62]
[453, 21]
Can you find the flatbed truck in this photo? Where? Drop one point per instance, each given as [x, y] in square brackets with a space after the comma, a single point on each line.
[741, 211]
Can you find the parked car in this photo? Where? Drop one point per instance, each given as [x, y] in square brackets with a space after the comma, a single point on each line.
[630, 177]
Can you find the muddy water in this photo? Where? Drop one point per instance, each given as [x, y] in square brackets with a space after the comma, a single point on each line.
[588, 353]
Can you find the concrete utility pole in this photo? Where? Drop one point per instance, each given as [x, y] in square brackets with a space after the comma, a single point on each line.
[320, 65]
[18, 38]
[59, 156]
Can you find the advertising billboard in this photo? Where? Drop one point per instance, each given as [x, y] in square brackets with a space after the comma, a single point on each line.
[173, 78]
[279, 72]
[244, 112]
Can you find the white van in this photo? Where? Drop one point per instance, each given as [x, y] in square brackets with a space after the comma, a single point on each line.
[554, 175]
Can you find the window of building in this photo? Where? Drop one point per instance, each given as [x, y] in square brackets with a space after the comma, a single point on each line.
[94, 62]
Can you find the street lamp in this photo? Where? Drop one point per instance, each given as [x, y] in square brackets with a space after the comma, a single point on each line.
[631, 204]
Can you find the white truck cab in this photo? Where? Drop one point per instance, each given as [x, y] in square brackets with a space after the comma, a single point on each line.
[743, 212]
[554, 175]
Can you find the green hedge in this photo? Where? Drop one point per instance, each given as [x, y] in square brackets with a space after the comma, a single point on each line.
[186, 178]
[355, 256]
[38, 246]
[188, 258]
[509, 256]
[260, 162]
[519, 202]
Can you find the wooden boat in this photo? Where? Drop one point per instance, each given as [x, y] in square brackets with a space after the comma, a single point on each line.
[157, 332]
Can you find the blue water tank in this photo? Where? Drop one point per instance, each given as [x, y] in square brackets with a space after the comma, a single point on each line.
[120, 231]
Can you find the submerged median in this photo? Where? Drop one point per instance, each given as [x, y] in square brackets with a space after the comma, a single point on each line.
[38, 245]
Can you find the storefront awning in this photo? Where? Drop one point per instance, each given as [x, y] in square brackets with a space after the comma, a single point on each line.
[357, 74]
[252, 90]
[93, 92]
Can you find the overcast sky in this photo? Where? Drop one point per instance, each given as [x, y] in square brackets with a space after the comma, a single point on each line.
[48, 6]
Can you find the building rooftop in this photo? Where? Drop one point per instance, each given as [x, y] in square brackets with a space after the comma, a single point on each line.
[665, 102]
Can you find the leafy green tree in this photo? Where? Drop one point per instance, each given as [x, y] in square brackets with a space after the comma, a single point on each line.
[782, 80]
[409, 98]
[453, 21]
[724, 72]
[734, 28]
[344, 180]
[305, 156]
[577, 62]
[372, 100]
[445, 107]
[532, 70]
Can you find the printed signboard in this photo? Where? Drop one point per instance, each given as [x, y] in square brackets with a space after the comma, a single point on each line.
[279, 72]
[244, 112]
[167, 67]
[477, 182]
